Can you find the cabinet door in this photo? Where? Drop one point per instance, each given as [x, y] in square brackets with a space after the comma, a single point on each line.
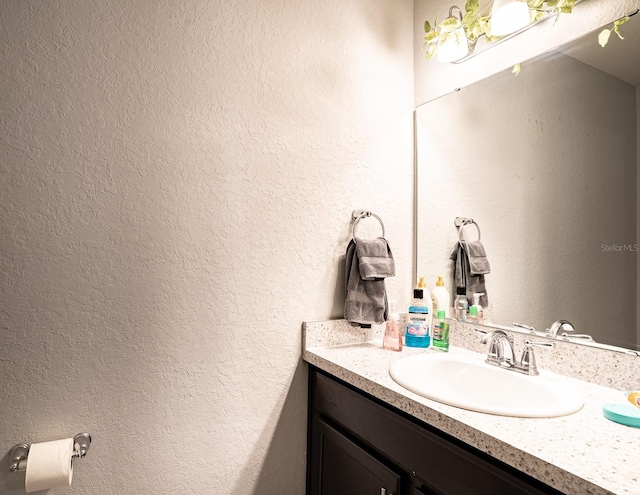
[340, 467]
[448, 467]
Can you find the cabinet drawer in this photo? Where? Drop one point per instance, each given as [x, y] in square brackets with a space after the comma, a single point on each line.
[448, 465]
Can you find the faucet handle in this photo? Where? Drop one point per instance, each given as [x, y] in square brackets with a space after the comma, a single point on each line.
[530, 343]
[576, 336]
[528, 360]
[532, 330]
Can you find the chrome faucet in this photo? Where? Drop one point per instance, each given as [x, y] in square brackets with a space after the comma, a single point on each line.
[500, 348]
[501, 352]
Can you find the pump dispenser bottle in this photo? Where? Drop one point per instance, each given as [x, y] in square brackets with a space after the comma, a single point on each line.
[392, 334]
[440, 297]
[428, 301]
[475, 311]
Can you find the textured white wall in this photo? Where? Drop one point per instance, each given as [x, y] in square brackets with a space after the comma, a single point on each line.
[177, 181]
[433, 78]
[638, 211]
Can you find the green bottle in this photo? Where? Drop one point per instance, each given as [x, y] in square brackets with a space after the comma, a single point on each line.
[440, 340]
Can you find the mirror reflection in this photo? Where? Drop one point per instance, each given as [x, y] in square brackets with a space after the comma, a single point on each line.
[546, 163]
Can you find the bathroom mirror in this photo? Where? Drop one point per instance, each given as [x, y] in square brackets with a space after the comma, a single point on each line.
[546, 163]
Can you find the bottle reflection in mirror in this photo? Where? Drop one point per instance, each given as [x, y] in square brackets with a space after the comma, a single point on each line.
[460, 306]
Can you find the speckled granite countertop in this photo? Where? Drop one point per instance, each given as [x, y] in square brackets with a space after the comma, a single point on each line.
[580, 454]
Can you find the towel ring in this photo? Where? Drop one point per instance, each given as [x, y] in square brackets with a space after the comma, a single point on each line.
[358, 215]
[461, 222]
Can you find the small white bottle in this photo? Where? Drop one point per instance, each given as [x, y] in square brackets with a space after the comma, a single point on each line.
[441, 298]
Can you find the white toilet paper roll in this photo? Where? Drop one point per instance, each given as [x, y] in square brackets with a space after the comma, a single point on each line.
[49, 465]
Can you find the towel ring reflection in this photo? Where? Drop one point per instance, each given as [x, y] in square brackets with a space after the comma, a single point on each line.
[461, 222]
[358, 215]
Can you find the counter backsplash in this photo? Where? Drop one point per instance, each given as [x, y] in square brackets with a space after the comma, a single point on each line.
[602, 367]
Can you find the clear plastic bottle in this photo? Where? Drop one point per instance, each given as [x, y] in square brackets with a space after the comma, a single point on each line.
[392, 333]
[441, 333]
[461, 305]
[418, 332]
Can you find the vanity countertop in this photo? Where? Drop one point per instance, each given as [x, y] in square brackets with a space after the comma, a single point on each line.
[583, 453]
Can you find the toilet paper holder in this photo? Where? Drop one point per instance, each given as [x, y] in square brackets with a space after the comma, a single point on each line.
[20, 453]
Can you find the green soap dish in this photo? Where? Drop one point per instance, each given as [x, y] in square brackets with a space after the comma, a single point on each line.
[625, 414]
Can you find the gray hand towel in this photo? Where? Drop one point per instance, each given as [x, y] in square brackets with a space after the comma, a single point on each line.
[472, 280]
[366, 301]
[374, 259]
[478, 262]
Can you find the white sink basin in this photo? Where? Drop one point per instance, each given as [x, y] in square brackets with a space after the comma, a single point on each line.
[466, 381]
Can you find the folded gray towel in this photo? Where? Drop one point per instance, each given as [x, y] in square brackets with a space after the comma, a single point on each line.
[472, 280]
[478, 262]
[366, 301]
[374, 258]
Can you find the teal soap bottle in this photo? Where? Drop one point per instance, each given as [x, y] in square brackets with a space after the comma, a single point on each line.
[418, 333]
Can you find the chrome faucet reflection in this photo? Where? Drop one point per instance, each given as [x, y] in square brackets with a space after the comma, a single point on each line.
[558, 325]
[501, 352]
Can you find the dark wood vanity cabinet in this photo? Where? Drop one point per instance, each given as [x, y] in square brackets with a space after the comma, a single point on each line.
[360, 446]
[348, 468]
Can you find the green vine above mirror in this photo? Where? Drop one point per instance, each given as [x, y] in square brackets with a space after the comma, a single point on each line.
[455, 37]
[603, 37]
